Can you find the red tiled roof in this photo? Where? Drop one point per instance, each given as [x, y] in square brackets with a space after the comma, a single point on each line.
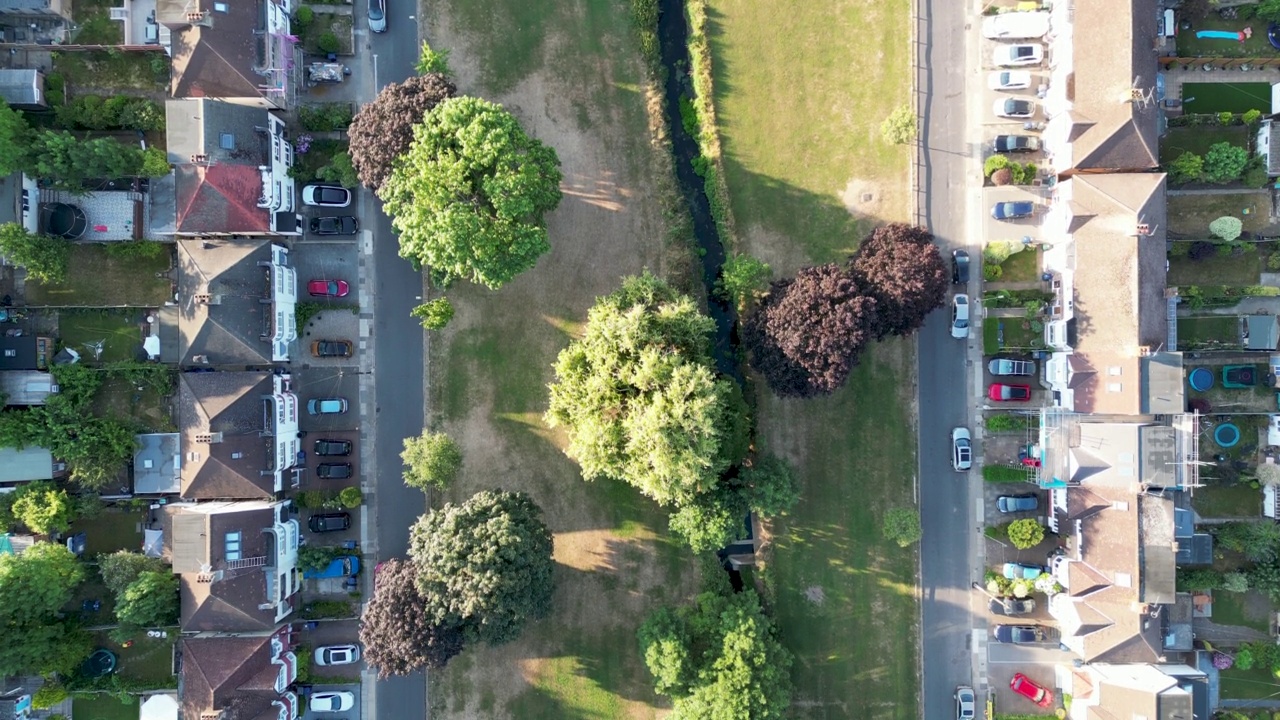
[220, 198]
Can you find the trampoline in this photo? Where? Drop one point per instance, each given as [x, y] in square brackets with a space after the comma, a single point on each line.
[1226, 435]
[63, 220]
[101, 662]
[1273, 35]
[1201, 379]
[1239, 376]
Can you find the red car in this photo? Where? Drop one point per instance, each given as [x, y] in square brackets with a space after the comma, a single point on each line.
[328, 288]
[1022, 685]
[1000, 392]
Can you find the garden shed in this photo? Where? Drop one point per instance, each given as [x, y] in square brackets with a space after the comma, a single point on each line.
[1261, 332]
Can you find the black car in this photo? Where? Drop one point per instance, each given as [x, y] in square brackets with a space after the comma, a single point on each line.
[1016, 143]
[340, 225]
[333, 471]
[1018, 634]
[1012, 606]
[959, 267]
[331, 348]
[333, 447]
[329, 522]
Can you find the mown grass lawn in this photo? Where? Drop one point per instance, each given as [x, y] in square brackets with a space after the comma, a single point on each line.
[1198, 140]
[1218, 332]
[1021, 267]
[96, 278]
[1256, 46]
[1233, 97]
[1219, 501]
[117, 331]
[1229, 609]
[1190, 215]
[103, 707]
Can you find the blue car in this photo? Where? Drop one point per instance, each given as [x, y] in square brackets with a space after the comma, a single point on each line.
[1018, 571]
[1012, 210]
[345, 566]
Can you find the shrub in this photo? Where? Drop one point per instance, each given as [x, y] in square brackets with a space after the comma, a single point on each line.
[328, 43]
[1201, 249]
[902, 525]
[991, 272]
[900, 127]
[1224, 163]
[432, 61]
[1226, 118]
[304, 16]
[1244, 658]
[1235, 582]
[1023, 174]
[1004, 422]
[1186, 168]
[1273, 261]
[1199, 579]
[994, 163]
[743, 278]
[1227, 227]
[1003, 474]
[434, 314]
[48, 695]
[998, 251]
[351, 497]
[1026, 533]
[1002, 177]
[1251, 116]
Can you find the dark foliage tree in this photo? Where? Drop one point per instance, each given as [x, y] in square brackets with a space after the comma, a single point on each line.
[1201, 250]
[383, 129]
[484, 566]
[719, 658]
[807, 334]
[34, 587]
[119, 569]
[398, 634]
[901, 268]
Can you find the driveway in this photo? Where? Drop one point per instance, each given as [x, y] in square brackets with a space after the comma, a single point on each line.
[1036, 662]
[353, 714]
[324, 383]
[336, 324]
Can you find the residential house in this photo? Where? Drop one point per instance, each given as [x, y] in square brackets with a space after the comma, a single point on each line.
[23, 88]
[28, 464]
[1103, 98]
[239, 435]
[1154, 691]
[157, 464]
[1269, 134]
[239, 678]
[1111, 321]
[34, 21]
[231, 170]
[236, 303]
[25, 352]
[229, 50]
[237, 564]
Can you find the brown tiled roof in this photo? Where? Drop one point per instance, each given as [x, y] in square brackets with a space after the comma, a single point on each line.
[1119, 292]
[228, 406]
[1113, 53]
[229, 332]
[216, 597]
[220, 56]
[231, 675]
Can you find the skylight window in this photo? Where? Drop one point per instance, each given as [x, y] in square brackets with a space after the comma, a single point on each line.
[227, 141]
[232, 542]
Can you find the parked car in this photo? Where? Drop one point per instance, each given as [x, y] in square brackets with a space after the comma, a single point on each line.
[960, 316]
[1013, 108]
[326, 196]
[1012, 607]
[966, 703]
[959, 267]
[961, 449]
[340, 225]
[1016, 144]
[329, 522]
[1005, 366]
[1018, 55]
[332, 348]
[327, 406]
[1023, 685]
[344, 566]
[337, 654]
[1012, 210]
[341, 701]
[1017, 503]
[378, 16]
[1009, 80]
[333, 471]
[1021, 571]
[1002, 392]
[333, 448]
[328, 288]
[1015, 26]
[1019, 634]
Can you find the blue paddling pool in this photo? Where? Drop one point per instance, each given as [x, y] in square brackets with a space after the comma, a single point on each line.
[1201, 379]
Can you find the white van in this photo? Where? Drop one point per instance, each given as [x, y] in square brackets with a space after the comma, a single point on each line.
[1016, 26]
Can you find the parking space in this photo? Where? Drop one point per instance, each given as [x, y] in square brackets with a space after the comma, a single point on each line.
[336, 632]
[328, 261]
[1016, 229]
[338, 324]
[1039, 663]
[310, 479]
[338, 537]
[323, 384]
[353, 688]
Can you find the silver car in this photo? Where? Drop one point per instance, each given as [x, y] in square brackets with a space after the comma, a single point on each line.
[960, 316]
[337, 655]
[966, 703]
[961, 449]
[378, 16]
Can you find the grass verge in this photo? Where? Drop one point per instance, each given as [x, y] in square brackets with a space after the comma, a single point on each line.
[97, 278]
[1190, 215]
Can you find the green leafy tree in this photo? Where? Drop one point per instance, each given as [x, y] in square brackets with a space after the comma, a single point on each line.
[1026, 533]
[339, 171]
[119, 569]
[150, 600]
[43, 508]
[155, 163]
[1187, 167]
[711, 520]
[34, 586]
[432, 61]
[718, 658]
[484, 566]
[15, 140]
[769, 485]
[45, 257]
[640, 399]
[434, 314]
[469, 197]
[1226, 228]
[1258, 541]
[328, 43]
[1236, 582]
[398, 634]
[431, 460]
[1205, 579]
[743, 278]
[902, 525]
[900, 127]
[1224, 163]
[67, 161]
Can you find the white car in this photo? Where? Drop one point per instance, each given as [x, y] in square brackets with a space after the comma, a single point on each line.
[326, 196]
[332, 701]
[337, 654]
[961, 449]
[1014, 108]
[966, 703]
[1009, 80]
[960, 316]
[1016, 26]
[1018, 55]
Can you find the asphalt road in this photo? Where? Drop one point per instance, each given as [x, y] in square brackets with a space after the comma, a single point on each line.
[398, 359]
[946, 503]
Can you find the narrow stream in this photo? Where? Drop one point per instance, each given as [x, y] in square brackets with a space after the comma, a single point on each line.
[673, 32]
